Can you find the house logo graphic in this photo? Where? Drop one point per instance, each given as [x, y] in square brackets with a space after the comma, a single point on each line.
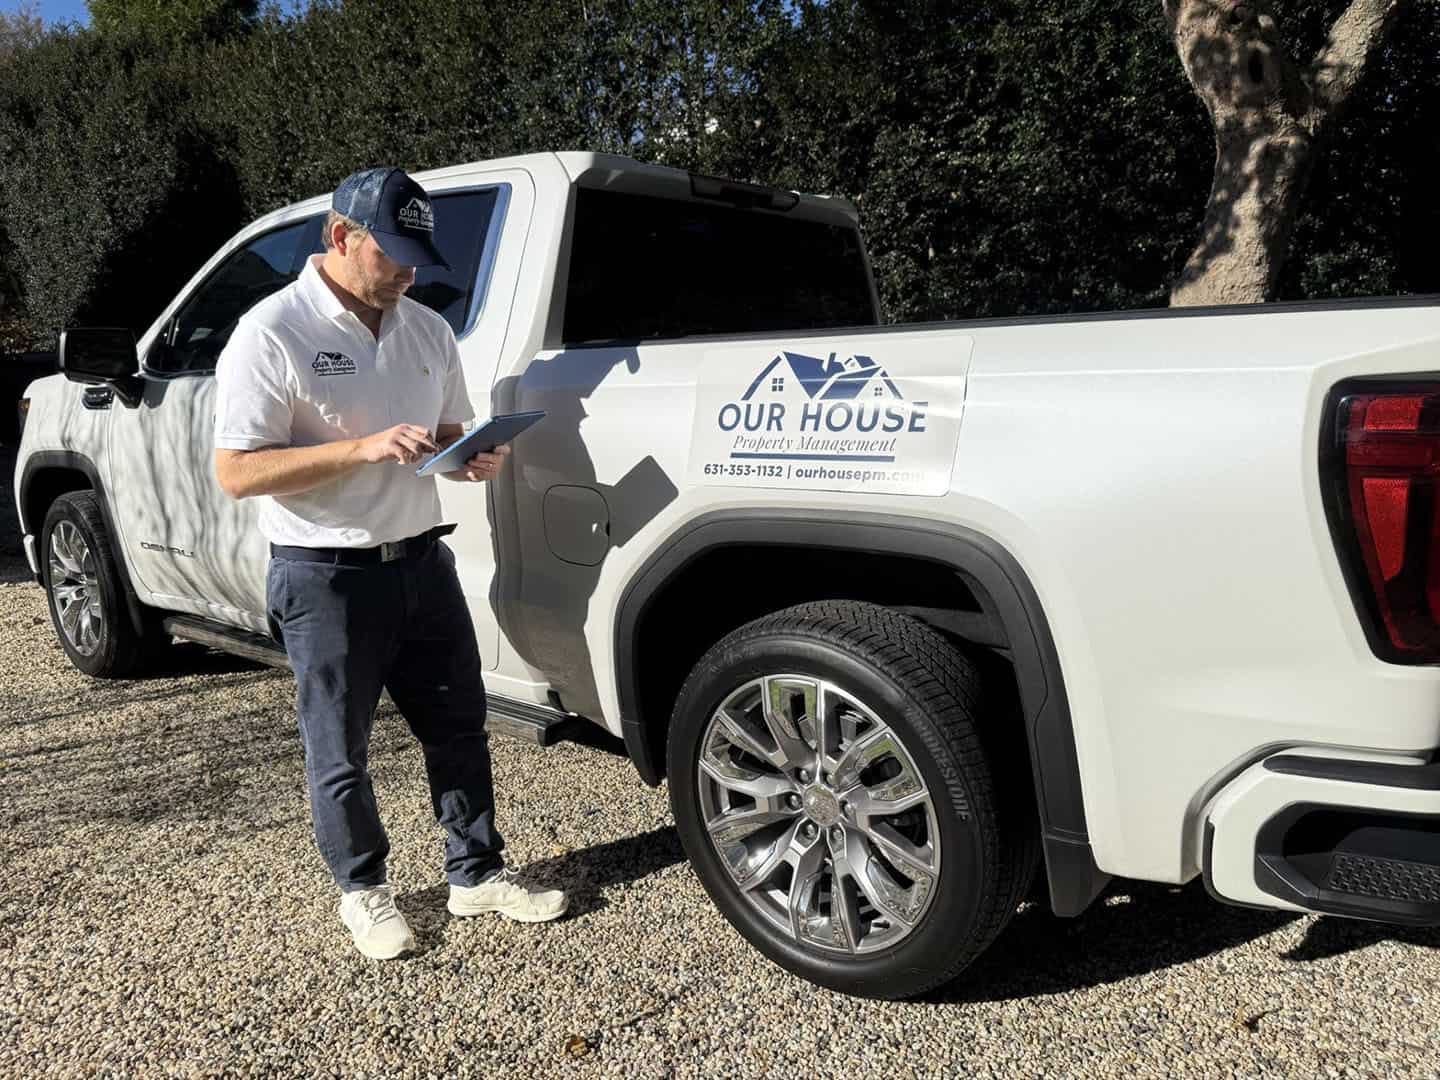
[858, 378]
[807, 408]
[416, 214]
[840, 412]
[332, 363]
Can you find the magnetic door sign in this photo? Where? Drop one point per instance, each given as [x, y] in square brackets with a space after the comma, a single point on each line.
[879, 413]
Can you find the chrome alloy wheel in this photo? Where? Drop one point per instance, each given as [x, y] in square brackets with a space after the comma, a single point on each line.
[819, 814]
[76, 588]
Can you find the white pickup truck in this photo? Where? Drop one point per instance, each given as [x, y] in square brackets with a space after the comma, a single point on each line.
[896, 610]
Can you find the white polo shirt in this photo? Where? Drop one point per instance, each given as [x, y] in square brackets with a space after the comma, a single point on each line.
[301, 370]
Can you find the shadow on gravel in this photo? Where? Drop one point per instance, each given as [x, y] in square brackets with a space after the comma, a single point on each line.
[1335, 937]
[188, 658]
[1156, 927]
[1145, 927]
[585, 733]
[185, 757]
[588, 871]
[13, 567]
[14, 570]
[103, 695]
[585, 873]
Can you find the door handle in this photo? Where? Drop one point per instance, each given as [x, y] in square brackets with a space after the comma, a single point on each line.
[97, 397]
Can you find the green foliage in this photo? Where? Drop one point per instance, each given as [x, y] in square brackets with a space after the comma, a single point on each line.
[299, 104]
[171, 20]
[1009, 157]
[986, 189]
[1372, 221]
[19, 30]
[109, 195]
[967, 167]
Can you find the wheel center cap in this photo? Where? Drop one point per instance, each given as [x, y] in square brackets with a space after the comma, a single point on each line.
[821, 806]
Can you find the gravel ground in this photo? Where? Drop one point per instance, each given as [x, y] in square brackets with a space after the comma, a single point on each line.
[163, 912]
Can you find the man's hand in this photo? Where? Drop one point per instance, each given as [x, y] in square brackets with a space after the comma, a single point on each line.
[482, 466]
[291, 470]
[403, 443]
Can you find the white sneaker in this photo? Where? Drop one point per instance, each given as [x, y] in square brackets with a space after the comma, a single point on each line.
[379, 930]
[501, 893]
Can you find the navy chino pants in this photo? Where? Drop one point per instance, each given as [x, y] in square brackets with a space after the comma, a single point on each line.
[401, 626]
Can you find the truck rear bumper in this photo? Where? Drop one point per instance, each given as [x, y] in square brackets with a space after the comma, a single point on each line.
[1344, 836]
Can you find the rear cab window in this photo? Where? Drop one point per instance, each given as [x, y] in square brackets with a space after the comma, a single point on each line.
[645, 267]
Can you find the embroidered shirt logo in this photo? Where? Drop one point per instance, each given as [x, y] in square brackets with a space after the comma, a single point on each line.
[416, 214]
[332, 363]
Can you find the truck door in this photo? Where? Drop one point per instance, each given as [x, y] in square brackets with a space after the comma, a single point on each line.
[487, 223]
[192, 547]
[199, 551]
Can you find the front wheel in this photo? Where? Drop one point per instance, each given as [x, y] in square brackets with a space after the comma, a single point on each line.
[835, 789]
[87, 598]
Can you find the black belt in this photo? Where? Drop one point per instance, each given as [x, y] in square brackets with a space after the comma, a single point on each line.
[411, 548]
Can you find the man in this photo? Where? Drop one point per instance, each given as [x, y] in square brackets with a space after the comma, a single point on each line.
[329, 393]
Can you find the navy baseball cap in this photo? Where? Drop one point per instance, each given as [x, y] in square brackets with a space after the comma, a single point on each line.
[397, 212]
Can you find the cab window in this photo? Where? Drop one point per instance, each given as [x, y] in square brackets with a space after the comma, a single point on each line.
[465, 233]
[203, 325]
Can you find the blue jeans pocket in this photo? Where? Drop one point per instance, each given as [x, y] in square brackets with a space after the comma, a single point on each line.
[277, 577]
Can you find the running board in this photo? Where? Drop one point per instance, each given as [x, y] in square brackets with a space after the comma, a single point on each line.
[228, 639]
[535, 724]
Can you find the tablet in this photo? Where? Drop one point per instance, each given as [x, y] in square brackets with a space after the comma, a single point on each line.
[494, 432]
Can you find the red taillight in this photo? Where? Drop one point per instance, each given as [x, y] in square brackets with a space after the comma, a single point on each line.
[1386, 515]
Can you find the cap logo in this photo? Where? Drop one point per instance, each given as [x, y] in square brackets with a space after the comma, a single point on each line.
[416, 214]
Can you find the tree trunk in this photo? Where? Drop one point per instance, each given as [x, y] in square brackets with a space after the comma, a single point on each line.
[1272, 118]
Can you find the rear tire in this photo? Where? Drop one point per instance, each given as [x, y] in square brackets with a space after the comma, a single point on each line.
[88, 603]
[874, 852]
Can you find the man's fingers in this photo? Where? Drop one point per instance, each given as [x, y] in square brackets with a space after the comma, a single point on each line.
[421, 435]
[413, 445]
[404, 443]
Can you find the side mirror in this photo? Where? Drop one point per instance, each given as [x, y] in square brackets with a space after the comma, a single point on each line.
[101, 355]
[97, 353]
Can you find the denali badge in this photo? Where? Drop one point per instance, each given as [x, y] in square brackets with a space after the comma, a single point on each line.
[163, 549]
